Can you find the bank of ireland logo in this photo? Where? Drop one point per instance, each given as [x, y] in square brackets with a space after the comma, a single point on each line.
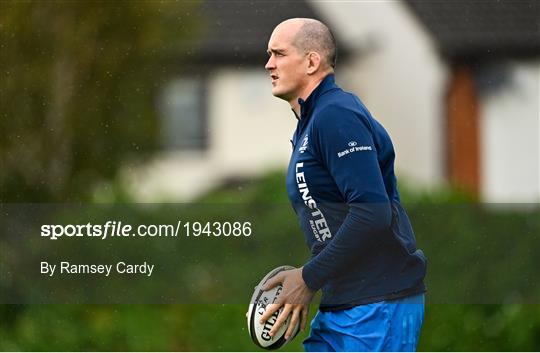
[304, 145]
[353, 147]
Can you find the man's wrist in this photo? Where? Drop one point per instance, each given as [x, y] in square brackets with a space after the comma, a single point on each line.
[310, 278]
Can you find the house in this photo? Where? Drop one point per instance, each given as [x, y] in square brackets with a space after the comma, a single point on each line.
[491, 106]
[454, 83]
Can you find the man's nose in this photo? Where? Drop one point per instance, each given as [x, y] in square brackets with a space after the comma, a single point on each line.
[270, 63]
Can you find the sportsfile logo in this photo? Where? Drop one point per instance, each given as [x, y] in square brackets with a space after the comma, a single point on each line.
[353, 147]
[304, 146]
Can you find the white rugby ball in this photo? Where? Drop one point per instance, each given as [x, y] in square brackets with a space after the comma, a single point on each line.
[260, 333]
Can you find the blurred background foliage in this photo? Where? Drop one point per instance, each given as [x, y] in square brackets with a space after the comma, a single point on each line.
[62, 133]
[77, 90]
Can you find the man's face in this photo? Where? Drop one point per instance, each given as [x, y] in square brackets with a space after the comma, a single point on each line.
[286, 65]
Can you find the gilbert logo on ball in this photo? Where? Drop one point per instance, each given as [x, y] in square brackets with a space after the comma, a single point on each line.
[260, 333]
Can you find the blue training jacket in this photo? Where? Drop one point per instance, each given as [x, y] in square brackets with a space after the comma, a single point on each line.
[342, 186]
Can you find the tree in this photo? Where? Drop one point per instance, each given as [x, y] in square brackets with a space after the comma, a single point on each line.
[76, 92]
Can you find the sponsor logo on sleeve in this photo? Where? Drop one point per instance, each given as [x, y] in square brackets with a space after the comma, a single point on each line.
[353, 147]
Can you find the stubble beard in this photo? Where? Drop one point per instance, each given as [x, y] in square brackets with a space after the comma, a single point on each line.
[286, 96]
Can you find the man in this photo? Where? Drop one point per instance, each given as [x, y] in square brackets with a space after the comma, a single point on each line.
[342, 186]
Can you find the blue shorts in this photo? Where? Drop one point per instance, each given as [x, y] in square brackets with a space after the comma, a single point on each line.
[392, 325]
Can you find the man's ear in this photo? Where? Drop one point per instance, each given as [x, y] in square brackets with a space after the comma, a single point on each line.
[314, 62]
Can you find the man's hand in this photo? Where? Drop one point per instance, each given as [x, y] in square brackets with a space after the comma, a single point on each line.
[295, 298]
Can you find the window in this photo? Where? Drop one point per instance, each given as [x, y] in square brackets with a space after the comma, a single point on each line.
[183, 119]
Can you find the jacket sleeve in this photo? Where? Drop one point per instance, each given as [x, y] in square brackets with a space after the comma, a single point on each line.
[343, 141]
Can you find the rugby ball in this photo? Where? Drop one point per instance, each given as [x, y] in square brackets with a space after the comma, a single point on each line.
[260, 333]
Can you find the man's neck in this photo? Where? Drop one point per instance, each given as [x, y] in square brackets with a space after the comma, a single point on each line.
[304, 94]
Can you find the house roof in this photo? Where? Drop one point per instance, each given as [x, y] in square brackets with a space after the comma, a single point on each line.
[482, 29]
[237, 32]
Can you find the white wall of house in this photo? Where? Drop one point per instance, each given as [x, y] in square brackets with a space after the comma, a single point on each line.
[510, 128]
[250, 128]
[398, 75]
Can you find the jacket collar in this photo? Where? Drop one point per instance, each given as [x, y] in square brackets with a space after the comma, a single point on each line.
[307, 105]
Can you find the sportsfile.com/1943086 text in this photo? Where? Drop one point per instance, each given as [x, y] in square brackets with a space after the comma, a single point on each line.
[119, 229]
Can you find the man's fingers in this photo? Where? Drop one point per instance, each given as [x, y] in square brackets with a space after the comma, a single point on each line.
[272, 282]
[281, 319]
[304, 318]
[270, 309]
[294, 320]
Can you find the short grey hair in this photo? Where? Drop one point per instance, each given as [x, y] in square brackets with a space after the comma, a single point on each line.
[316, 36]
